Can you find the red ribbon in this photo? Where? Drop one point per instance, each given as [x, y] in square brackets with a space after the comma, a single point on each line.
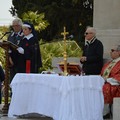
[28, 65]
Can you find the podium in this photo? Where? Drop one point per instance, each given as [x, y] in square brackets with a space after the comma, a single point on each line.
[72, 68]
[6, 46]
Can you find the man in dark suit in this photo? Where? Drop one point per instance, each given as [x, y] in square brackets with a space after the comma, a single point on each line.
[92, 58]
[15, 37]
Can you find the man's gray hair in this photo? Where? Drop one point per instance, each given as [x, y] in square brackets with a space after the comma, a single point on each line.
[118, 47]
[92, 29]
[18, 21]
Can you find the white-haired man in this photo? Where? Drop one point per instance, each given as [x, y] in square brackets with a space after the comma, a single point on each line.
[15, 38]
[92, 58]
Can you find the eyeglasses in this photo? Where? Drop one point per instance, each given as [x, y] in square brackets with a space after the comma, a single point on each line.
[112, 50]
[86, 33]
[15, 25]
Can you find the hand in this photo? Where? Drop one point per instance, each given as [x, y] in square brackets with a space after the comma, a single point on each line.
[9, 51]
[83, 59]
[20, 50]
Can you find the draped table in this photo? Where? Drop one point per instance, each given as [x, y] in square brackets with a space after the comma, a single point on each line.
[59, 97]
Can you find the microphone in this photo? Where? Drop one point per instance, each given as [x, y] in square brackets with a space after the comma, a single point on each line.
[7, 32]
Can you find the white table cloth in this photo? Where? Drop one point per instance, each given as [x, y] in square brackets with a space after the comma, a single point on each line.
[60, 97]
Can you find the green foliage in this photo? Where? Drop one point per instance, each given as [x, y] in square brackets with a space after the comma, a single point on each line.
[59, 13]
[56, 49]
[3, 29]
[2, 57]
[36, 19]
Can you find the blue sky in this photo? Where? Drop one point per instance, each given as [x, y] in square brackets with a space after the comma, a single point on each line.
[5, 16]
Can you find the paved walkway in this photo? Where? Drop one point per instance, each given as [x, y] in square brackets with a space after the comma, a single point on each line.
[30, 117]
[2, 117]
[36, 117]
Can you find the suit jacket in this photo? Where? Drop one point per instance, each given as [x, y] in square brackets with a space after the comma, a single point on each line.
[15, 38]
[94, 54]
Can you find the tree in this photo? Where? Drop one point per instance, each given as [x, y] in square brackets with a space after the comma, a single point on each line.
[37, 19]
[74, 14]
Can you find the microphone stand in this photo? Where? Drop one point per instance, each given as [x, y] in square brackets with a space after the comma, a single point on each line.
[4, 35]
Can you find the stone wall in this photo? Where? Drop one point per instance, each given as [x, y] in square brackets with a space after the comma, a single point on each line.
[106, 19]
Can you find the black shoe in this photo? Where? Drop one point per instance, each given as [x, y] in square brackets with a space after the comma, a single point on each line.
[107, 116]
